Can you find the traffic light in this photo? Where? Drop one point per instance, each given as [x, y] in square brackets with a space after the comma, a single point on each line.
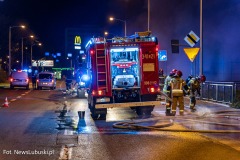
[175, 46]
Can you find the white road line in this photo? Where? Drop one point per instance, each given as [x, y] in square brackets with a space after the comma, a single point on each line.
[66, 150]
[19, 97]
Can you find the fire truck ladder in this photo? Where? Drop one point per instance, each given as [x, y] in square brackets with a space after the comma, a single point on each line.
[101, 66]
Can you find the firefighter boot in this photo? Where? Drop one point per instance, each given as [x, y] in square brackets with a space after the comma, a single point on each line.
[181, 114]
[192, 107]
[173, 113]
[168, 112]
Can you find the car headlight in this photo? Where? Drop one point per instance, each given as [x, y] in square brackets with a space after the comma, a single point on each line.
[82, 83]
[85, 77]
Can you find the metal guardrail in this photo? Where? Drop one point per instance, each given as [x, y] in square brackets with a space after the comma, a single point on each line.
[223, 92]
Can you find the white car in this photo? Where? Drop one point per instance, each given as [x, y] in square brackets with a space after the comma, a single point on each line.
[46, 80]
[19, 79]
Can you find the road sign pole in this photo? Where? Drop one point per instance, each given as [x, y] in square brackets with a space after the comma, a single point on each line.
[201, 48]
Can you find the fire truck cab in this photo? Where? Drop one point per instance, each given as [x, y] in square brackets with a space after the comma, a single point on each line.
[123, 73]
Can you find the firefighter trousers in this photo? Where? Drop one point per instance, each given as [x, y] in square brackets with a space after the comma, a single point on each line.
[192, 101]
[178, 101]
[168, 102]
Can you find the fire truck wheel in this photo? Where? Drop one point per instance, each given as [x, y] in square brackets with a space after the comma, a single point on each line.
[139, 111]
[81, 93]
[144, 111]
[95, 116]
[133, 108]
[98, 114]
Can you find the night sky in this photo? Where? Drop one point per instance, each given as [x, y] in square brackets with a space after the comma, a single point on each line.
[169, 19]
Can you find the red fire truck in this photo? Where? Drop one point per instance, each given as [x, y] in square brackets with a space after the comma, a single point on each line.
[123, 73]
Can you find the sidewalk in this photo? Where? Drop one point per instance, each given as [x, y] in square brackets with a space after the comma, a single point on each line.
[4, 85]
[208, 107]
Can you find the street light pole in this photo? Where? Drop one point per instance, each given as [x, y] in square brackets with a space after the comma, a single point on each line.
[22, 55]
[125, 24]
[148, 14]
[9, 50]
[10, 46]
[32, 49]
[31, 36]
[201, 37]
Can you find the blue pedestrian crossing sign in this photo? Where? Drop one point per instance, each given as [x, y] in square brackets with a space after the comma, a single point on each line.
[162, 55]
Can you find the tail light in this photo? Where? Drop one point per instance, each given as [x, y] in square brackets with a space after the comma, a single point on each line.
[98, 92]
[27, 80]
[37, 80]
[152, 90]
[11, 79]
[91, 51]
[52, 80]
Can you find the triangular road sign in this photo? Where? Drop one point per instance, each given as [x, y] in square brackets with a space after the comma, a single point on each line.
[191, 53]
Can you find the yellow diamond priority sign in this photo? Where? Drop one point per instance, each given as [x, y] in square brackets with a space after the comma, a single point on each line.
[191, 53]
[191, 38]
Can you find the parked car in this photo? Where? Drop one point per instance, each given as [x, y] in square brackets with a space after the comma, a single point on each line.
[19, 79]
[46, 80]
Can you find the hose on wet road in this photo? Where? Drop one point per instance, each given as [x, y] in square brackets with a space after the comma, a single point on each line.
[160, 123]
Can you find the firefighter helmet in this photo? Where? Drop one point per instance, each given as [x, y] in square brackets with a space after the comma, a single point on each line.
[178, 73]
[201, 78]
[173, 72]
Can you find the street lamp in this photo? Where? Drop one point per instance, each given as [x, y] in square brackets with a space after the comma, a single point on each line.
[107, 34]
[31, 36]
[125, 24]
[39, 44]
[9, 45]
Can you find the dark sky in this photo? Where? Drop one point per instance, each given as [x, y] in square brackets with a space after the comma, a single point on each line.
[49, 19]
[169, 19]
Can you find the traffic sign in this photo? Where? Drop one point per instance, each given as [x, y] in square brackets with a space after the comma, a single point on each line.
[162, 55]
[191, 38]
[191, 53]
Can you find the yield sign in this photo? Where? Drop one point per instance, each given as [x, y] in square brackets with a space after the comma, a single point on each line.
[191, 53]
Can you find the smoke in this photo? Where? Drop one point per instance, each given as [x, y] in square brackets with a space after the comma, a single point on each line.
[175, 19]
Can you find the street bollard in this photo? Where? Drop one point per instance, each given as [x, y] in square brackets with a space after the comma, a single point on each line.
[81, 114]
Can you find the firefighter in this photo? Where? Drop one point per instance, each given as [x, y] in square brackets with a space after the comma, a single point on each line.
[160, 72]
[34, 81]
[194, 89]
[167, 91]
[177, 90]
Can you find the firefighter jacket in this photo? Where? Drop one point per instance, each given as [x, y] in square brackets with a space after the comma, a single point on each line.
[194, 86]
[166, 87]
[177, 86]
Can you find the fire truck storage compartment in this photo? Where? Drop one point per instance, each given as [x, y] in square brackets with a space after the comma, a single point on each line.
[125, 73]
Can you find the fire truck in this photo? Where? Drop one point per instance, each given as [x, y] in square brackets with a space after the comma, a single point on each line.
[123, 73]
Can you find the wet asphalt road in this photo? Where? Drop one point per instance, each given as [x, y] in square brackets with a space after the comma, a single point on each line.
[36, 121]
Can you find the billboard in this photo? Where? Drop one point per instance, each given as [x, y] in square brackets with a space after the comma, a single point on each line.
[43, 63]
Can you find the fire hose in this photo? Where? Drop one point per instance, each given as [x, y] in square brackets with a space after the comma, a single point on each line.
[136, 124]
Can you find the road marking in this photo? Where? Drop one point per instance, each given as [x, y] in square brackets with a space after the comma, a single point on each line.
[66, 150]
[65, 153]
[19, 97]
